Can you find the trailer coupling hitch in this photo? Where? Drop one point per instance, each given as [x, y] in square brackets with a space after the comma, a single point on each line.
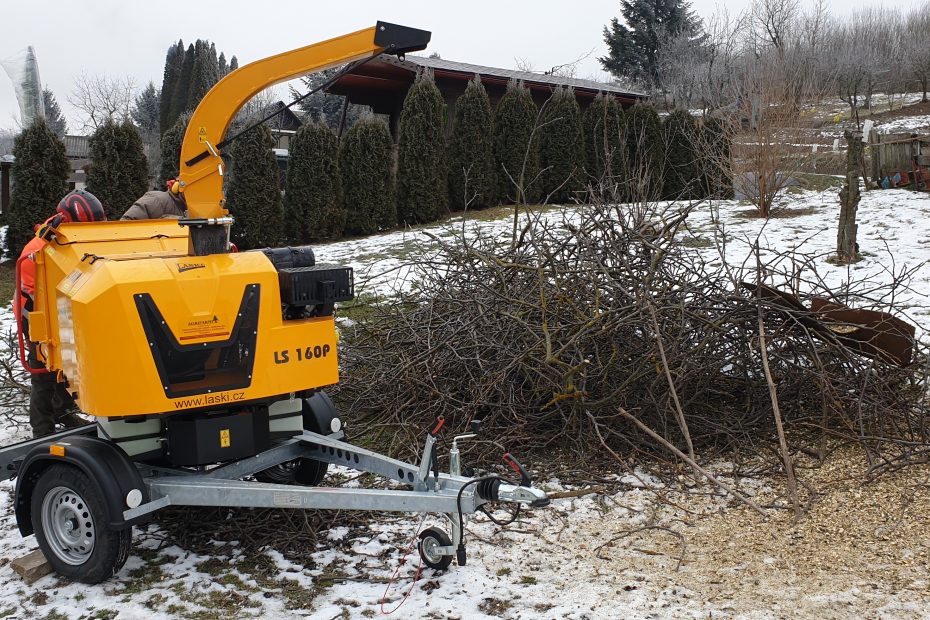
[495, 489]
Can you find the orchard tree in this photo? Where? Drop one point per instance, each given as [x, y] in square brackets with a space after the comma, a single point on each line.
[422, 195]
[313, 208]
[561, 148]
[366, 167]
[118, 172]
[472, 182]
[101, 99]
[40, 176]
[253, 194]
[516, 146]
[634, 47]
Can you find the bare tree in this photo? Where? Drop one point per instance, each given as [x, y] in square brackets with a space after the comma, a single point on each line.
[771, 23]
[258, 107]
[680, 65]
[101, 98]
[916, 52]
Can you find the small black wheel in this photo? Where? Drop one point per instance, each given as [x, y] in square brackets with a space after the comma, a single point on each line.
[70, 522]
[430, 540]
[307, 472]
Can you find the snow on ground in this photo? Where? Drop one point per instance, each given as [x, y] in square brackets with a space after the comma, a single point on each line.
[905, 123]
[890, 221]
[625, 554]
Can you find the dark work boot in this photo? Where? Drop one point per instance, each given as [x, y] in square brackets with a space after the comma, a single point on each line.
[71, 420]
[41, 408]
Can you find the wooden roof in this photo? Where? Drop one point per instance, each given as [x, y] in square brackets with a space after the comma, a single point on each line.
[388, 75]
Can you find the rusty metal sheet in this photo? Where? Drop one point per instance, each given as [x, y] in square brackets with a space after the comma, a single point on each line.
[780, 298]
[869, 332]
[877, 335]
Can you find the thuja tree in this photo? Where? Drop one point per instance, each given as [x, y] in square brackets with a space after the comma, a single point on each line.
[366, 167]
[253, 195]
[683, 175]
[313, 208]
[472, 182]
[561, 149]
[119, 171]
[604, 140]
[421, 159]
[714, 155]
[645, 154]
[171, 149]
[516, 149]
[40, 175]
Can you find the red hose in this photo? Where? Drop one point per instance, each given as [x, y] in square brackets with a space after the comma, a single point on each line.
[18, 313]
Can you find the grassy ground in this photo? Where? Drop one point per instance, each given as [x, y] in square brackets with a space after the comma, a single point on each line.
[818, 182]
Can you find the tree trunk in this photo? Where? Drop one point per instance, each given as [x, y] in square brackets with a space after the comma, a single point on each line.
[847, 250]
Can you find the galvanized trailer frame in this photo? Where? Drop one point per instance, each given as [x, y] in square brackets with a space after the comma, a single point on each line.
[420, 488]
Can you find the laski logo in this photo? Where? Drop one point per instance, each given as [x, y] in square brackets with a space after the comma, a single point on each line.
[215, 319]
[182, 267]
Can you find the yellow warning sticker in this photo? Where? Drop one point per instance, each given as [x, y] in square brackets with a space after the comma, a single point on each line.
[224, 438]
[202, 135]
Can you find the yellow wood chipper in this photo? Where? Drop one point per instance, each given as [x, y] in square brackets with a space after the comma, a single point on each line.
[203, 368]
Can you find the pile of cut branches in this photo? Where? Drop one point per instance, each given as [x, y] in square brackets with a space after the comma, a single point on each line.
[585, 329]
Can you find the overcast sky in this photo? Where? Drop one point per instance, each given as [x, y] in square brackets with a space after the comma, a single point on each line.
[129, 38]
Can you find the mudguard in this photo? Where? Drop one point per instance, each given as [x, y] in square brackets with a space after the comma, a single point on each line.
[104, 463]
[319, 414]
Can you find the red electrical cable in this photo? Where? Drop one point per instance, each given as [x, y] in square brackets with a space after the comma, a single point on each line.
[396, 572]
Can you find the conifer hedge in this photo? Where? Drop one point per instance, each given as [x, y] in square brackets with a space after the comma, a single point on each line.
[516, 150]
[313, 208]
[561, 148]
[40, 176]
[472, 181]
[603, 124]
[171, 150]
[366, 167]
[119, 170]
[422, 194]
[683, 177]
[715, 158]
[253, 194]
[645, 154]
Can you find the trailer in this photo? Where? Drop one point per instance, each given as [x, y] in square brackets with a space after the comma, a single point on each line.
[80, 494]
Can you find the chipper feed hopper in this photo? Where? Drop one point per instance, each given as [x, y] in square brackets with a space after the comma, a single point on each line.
[203, 367]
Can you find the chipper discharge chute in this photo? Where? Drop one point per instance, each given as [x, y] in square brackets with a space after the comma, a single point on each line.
[204, 367]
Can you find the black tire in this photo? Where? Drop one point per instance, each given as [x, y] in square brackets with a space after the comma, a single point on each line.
[430, 538]
[306, 472]
[64, 500]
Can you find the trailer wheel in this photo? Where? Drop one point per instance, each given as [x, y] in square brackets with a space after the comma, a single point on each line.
[306, 472]
[430, 540]
[70, 522]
